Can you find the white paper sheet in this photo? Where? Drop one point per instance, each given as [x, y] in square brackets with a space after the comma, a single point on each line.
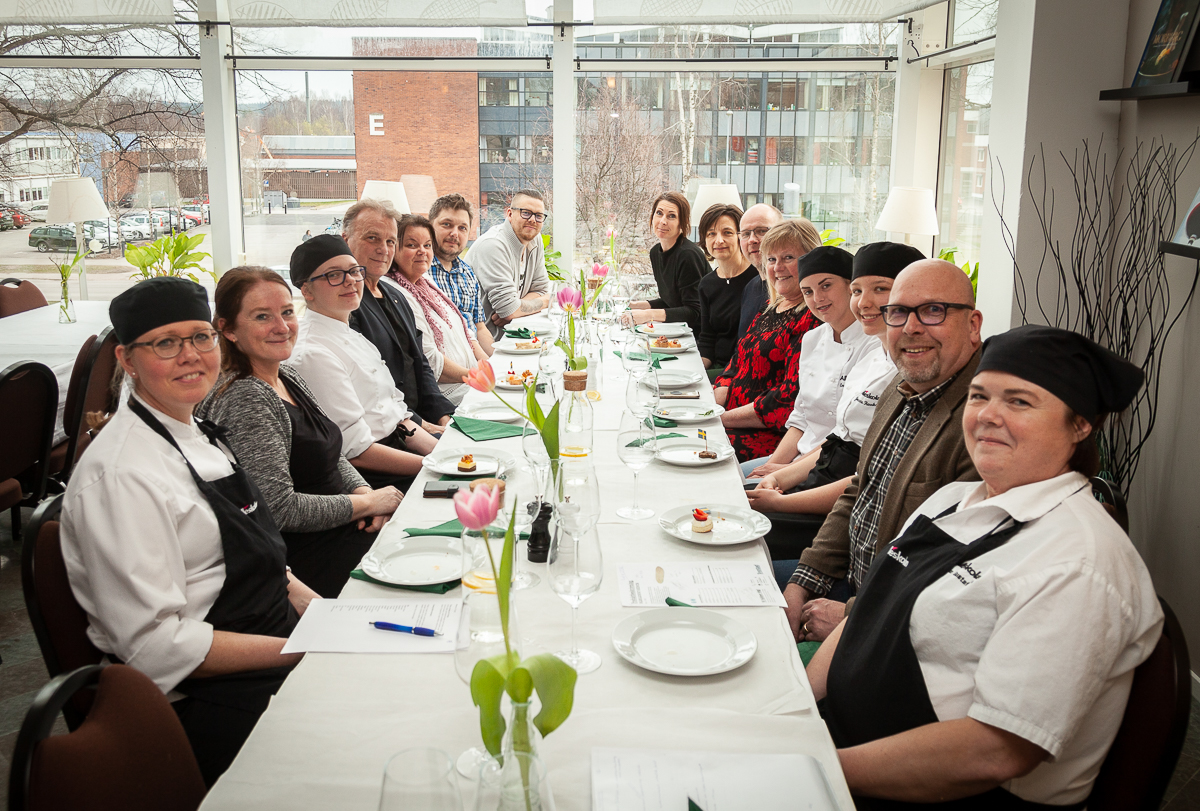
[342, 626]
[698, 583]
[664, 780]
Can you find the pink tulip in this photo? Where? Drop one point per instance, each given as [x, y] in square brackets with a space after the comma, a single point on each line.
[570, 299]
[599, 270]
[609, 233]
[477, 509]
[482, 377]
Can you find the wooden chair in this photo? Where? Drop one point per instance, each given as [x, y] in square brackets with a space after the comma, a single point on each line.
[90, 390]
[131, 752]
[17, 296]
[1138, 767]
[28, 407]
[59, 623]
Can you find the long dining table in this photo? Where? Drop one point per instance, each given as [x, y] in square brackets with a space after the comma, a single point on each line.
[325, 739]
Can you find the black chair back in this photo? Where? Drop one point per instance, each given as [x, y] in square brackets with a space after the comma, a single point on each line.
[28, 408]
[1109, 495]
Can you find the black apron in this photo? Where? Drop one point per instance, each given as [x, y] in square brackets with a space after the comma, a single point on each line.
[838, 459]
[253, 600]
[875, 687]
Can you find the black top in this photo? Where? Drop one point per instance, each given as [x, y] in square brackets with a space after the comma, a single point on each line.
[720, 310]
[316, 447]
[394, 332]
[754, 301]
[677, 273]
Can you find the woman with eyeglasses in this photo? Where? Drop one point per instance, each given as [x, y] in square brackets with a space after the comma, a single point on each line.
[346, 372]
[327, 512]
[169, 546]
[678, 265]
[447, 340]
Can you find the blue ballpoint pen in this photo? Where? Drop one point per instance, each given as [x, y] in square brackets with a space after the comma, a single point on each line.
[405, 629]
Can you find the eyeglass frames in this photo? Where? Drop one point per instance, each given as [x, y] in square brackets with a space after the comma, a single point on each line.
[338, 277]
[171, 345]
[930, 314]
[757, 232]
[526, 214]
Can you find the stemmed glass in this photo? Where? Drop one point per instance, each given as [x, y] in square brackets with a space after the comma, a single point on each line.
[635, 447]
[420, 778]
[523, 487]
[641, 394]
[636, 356]
[552, 362]
[575, 565]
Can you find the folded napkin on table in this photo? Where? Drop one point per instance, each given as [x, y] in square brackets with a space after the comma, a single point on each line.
[656, 358]
[639, 442]
[523, 333]
[663, 422]
[483, 430]
[450, 529]
[436, 588]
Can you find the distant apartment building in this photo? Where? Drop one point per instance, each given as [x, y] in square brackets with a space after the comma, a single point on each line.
[31, 162]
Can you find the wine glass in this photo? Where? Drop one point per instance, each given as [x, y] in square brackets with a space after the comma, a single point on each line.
[636, 356]
[575, 565]
[420, 778]
[552, 362]
[523, 488]
[480, 636]
[641, 394]
[635, 447]
[620, 299]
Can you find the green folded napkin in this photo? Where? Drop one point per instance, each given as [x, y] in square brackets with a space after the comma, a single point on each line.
[450, 529]
[522, 333]
[483, 430]
[663, 422]
[637, 443]
[807, 651]
[656, 358]
[692, 805]
[436, 588]
[673, 602]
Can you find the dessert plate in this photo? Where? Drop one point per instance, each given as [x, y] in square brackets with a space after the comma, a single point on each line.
[684, 641]
[509, 346]
[420, 561]
[675, 380]
[730, 524]
[684, 346]
[685, 413]
[487, 462]
[686, 452]
[489, 411]
[669, 329]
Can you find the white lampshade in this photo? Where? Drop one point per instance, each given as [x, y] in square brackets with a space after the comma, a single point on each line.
[387, 191]
[75, 200]
[421, 191]
[711, 194]
[909, 210]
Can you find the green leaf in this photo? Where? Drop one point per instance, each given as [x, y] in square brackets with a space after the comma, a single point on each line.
[504, 576]
[554, 682]
[549, 432]
[533, 409]
[487, 688]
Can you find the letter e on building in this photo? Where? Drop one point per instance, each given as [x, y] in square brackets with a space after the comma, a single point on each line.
[375, 121]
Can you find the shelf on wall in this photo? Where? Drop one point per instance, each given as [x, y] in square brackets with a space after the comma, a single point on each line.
[1190, 251]
[1174, 90]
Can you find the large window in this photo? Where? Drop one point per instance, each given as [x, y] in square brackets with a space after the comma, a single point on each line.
[972, 20]
[963, 190]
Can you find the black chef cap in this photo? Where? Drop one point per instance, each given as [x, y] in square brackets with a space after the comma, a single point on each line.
[154, 303]
[311, 254]
[1087, 377]
[826, 259]
[884, 259]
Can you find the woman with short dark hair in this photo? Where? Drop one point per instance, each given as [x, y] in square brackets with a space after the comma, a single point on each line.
[678, 265]
[721, 291]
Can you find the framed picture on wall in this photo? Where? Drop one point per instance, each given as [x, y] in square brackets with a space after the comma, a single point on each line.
[1189, 228]
[1170, 39]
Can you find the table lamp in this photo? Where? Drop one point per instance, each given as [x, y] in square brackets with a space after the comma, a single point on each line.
[74, 200]
[711, 194]
[387, 191]
[421, 191]
[909, 210]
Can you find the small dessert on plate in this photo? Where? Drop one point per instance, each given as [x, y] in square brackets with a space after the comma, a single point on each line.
[701, 521]
[527, 344]
[663, 342]
[466, 464]
[707, 454]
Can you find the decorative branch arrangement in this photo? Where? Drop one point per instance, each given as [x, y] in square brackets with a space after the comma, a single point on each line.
[1108, 277]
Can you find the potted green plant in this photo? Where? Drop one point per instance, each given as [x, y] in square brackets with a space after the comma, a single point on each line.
[169, 256]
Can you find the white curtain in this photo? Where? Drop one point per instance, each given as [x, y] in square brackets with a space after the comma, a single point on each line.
[357, 13]
[758, 12]
[58, 12]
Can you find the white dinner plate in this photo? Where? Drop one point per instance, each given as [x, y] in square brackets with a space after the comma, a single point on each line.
[487, 462]
[669, 329]
[533, 323]
[685, 345]
[686, 452]
[509, 346]
[489, 411]
[502, 376]
[730, 524]
[682, 641]
[418, 561]
[677, 380]
[688, 413]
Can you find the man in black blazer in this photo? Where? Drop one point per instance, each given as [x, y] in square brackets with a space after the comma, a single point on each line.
[384, 316]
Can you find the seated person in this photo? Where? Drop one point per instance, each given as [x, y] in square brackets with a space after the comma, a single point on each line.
[451, 215]
[678, 265]
[510, 263]
[758, 387]
[913, 447]
[990, 653]
[756, 222]
[721, 291]
[176, 577]
[345, 371]
[326, 511]
[448, 343]
[384, 316]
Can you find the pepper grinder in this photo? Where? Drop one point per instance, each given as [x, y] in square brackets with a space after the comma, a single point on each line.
[539, 536]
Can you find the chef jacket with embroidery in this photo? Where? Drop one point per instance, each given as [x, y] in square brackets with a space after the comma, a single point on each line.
[865, 384]
[823, 368]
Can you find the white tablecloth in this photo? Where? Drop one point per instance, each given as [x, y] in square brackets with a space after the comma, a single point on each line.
[37, 335]
[327, 735]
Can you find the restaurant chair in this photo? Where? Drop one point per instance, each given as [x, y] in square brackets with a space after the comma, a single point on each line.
[1138, 767]
[28, 407]
[93, 393]
[131, 752]
[59, 623]
[1113, 501]
[62, 455]
[17, 296]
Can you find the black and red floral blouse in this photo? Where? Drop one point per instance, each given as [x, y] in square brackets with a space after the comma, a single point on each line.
[765, 371]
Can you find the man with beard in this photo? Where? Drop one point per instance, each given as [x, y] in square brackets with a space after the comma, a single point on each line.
[511, 264]
[451, 216]
[913, 447]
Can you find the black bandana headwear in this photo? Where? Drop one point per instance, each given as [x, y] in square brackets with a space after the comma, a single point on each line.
[1087, 377]
[155, 303]
[313, 253]
[884, 259]
[825, 259]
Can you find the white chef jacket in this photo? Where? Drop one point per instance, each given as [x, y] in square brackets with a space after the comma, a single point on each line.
[1040, 636]
[142, 545]
[350, 380]
[455, 345]
[824, 365]
[865, 384]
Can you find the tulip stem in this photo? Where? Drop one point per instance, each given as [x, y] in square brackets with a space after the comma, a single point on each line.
[496, 579]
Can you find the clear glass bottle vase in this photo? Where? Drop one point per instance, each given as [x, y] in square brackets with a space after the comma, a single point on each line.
[66, 307]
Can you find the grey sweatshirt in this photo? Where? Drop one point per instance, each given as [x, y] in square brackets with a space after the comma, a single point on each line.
[503, 277]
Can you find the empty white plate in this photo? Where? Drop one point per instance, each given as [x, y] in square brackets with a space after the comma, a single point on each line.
[419, 561]
[686, 413]
[684, 641]
[669, 329]
[533, 323]
[487, 463]
[676, 380]
[730, 524]
[686, 452]
[489, 411]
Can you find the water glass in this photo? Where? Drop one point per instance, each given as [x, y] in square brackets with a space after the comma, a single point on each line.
[635, 448]
[641, 393]
[520, 784]
[575, 567]
[522, 487]
[420, 778]
[635, 355]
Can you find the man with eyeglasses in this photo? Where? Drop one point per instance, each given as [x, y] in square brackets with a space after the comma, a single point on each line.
[511, 265]
[913, 447]
[756, 222]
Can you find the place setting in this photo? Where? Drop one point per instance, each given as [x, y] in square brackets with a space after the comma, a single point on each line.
[692, 451]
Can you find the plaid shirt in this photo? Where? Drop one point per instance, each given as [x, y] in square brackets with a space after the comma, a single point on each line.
[868, 506]
[461, 286]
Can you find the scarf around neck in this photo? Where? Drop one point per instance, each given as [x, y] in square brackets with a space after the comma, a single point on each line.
[433, 302]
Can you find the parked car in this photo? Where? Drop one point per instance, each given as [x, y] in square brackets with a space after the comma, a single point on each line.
[175, 221]
[20, 218]
[109, 230]
[37, 211]
[52, 238]
[145, 225]
[6, 220]
[126, 201]
[193, 218]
